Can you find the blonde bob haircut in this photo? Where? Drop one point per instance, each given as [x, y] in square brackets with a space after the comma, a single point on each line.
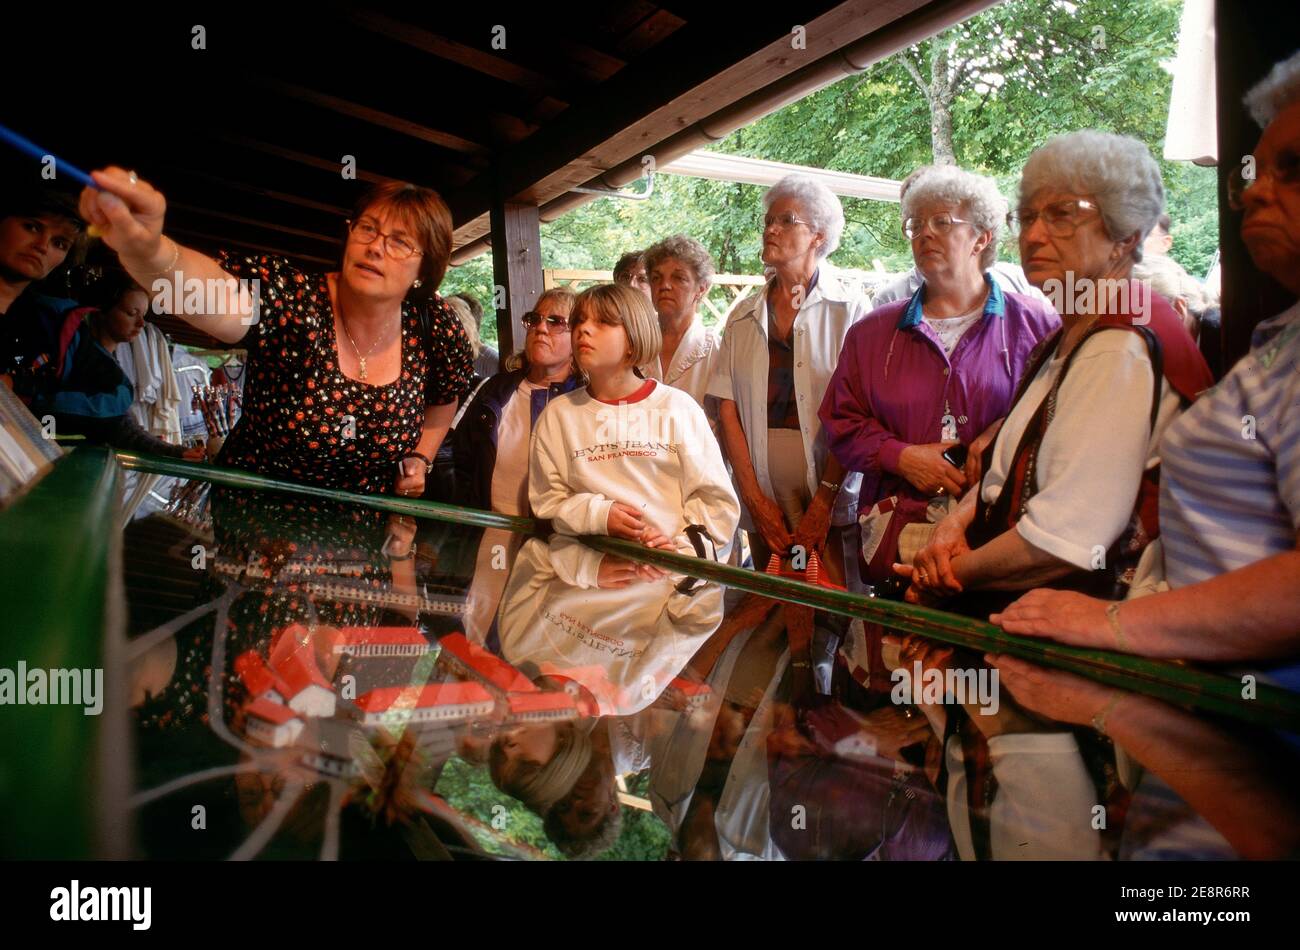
[620, 306]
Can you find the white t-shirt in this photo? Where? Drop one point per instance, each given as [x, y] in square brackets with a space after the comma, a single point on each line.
[510, 476]
[949, 330]
[1091, 460]
[657, 454]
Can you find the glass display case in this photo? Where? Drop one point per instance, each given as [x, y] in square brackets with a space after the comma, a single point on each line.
[247, 669]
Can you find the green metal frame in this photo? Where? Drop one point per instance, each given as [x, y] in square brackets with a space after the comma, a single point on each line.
[237, 478]
[57, 554]
[1173, 682]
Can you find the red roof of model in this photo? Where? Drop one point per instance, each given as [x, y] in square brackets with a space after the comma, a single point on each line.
[487, 665]
[256, 676]
[288, 641]
[271, 712]
[540, 702]
[437, 694]
[388, 635]
[299, 670]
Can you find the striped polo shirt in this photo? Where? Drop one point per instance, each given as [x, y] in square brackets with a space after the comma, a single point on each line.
[1230, 472]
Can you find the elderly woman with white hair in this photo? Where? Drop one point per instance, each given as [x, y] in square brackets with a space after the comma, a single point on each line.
[1068, 494]
[922, 379]
[1230, 485]
[778, 353]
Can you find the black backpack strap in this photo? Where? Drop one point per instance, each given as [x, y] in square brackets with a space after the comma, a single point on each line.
[698, 536]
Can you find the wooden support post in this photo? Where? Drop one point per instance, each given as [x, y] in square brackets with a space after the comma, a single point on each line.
[516, 268]
[1249, 39]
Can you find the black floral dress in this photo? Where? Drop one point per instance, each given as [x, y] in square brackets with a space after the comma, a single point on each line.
[303, 420]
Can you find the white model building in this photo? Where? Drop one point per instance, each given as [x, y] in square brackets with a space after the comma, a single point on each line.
[271, 723]
[309, 691]
[382, 641]
[541, 707]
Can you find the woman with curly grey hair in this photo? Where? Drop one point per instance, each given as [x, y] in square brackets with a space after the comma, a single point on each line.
[1069, 489]
[680, 271]
[778, 352]
[922, 377]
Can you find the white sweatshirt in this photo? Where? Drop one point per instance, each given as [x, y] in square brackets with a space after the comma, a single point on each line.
[623, 644]
[657, 454]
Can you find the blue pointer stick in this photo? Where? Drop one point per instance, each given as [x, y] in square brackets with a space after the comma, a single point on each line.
[35, 151]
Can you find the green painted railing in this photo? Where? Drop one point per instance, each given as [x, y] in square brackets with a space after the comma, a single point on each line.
[237, 478]
[1178, 683]
[1174, 682]
[58, 567]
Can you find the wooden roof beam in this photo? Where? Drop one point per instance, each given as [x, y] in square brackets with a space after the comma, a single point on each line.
[480, 60]
[253, 189]
[222, 240]
[385, 120]
[456, 174]
[255, 222]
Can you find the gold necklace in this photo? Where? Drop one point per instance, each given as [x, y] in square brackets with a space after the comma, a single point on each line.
[361, 360]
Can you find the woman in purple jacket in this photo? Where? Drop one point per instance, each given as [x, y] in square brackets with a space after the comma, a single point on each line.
[918, 377]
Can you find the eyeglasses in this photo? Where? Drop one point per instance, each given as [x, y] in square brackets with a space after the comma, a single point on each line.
[553, 323]
[783, 222]
[940, 224]
[1284, 171]
[1060, 218]
[398, 248]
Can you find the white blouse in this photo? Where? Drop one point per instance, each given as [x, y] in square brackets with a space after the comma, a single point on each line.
[817, 337]
[1091, 460]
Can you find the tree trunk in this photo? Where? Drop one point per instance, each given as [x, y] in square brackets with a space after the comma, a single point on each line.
[940, 98]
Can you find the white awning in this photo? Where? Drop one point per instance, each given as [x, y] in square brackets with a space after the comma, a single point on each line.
[756, 171]
[1191, 134]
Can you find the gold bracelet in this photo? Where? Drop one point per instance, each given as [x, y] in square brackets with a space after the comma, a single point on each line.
[1099, 720]
[176, 255]
[1112, 615]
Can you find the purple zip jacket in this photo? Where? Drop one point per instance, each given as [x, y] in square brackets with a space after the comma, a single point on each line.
[894, 385]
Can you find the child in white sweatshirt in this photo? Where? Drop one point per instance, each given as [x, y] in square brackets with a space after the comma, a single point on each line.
[627, 456]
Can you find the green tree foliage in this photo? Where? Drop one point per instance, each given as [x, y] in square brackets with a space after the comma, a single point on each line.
[468, 789]
[1017, 74]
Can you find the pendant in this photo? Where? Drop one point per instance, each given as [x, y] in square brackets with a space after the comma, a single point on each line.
[362, 360]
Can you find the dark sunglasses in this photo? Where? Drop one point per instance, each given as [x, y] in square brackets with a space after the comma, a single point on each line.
[553, 323]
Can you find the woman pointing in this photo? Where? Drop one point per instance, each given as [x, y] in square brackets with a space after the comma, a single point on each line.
[350, 385]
